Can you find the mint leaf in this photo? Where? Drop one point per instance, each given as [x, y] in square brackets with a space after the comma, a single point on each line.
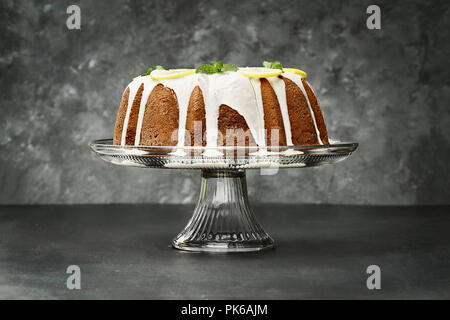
[277, 65]
[206, 68]
[272, 65]
[216, 67]
[147, 73]
[229, 67]
[151, 69]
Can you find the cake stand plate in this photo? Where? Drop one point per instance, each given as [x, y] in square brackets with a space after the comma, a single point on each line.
[223, 220]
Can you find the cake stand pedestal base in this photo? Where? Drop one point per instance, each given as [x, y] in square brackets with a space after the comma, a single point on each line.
[222, 220]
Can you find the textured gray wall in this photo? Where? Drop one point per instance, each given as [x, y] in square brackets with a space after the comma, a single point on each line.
[387, 89]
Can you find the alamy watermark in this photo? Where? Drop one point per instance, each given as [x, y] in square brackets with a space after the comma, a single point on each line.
[73, 22]
[374, 280]
[373, 22]
[74, 280]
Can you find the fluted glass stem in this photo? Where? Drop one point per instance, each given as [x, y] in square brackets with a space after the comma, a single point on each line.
[222, 220]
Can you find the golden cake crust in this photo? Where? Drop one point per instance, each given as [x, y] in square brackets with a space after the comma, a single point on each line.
[317, 112]
[273, 120]
[302, 125]
[196, 120]
[160, 122]
[233, 129]
[130, 134]
[118, 128]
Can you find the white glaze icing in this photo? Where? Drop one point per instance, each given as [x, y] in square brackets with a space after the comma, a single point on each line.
[149, 85]
[183, 88]
[298, 81]
[256, 86]
[133, 86]
[233, 89]
[280, 90]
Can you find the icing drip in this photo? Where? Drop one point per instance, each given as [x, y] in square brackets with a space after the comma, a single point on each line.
[236, 91]
[149, 85]
[211, 110]
[134, 86]
[256, 86]
[298, 81]
[183, 88]
[280, 90]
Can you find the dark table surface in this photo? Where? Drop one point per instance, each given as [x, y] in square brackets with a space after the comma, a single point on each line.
[322, 251]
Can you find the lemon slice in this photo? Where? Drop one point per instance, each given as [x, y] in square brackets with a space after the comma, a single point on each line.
[301, 73]
[259, 72]
[170, 74]
[183, 69]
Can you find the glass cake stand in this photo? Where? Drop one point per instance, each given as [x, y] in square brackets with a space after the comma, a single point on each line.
[223, 220]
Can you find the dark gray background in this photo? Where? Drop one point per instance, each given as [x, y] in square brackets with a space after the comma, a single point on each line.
[387, 89]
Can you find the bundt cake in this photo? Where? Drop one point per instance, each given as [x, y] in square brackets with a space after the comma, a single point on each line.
[220, 105]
